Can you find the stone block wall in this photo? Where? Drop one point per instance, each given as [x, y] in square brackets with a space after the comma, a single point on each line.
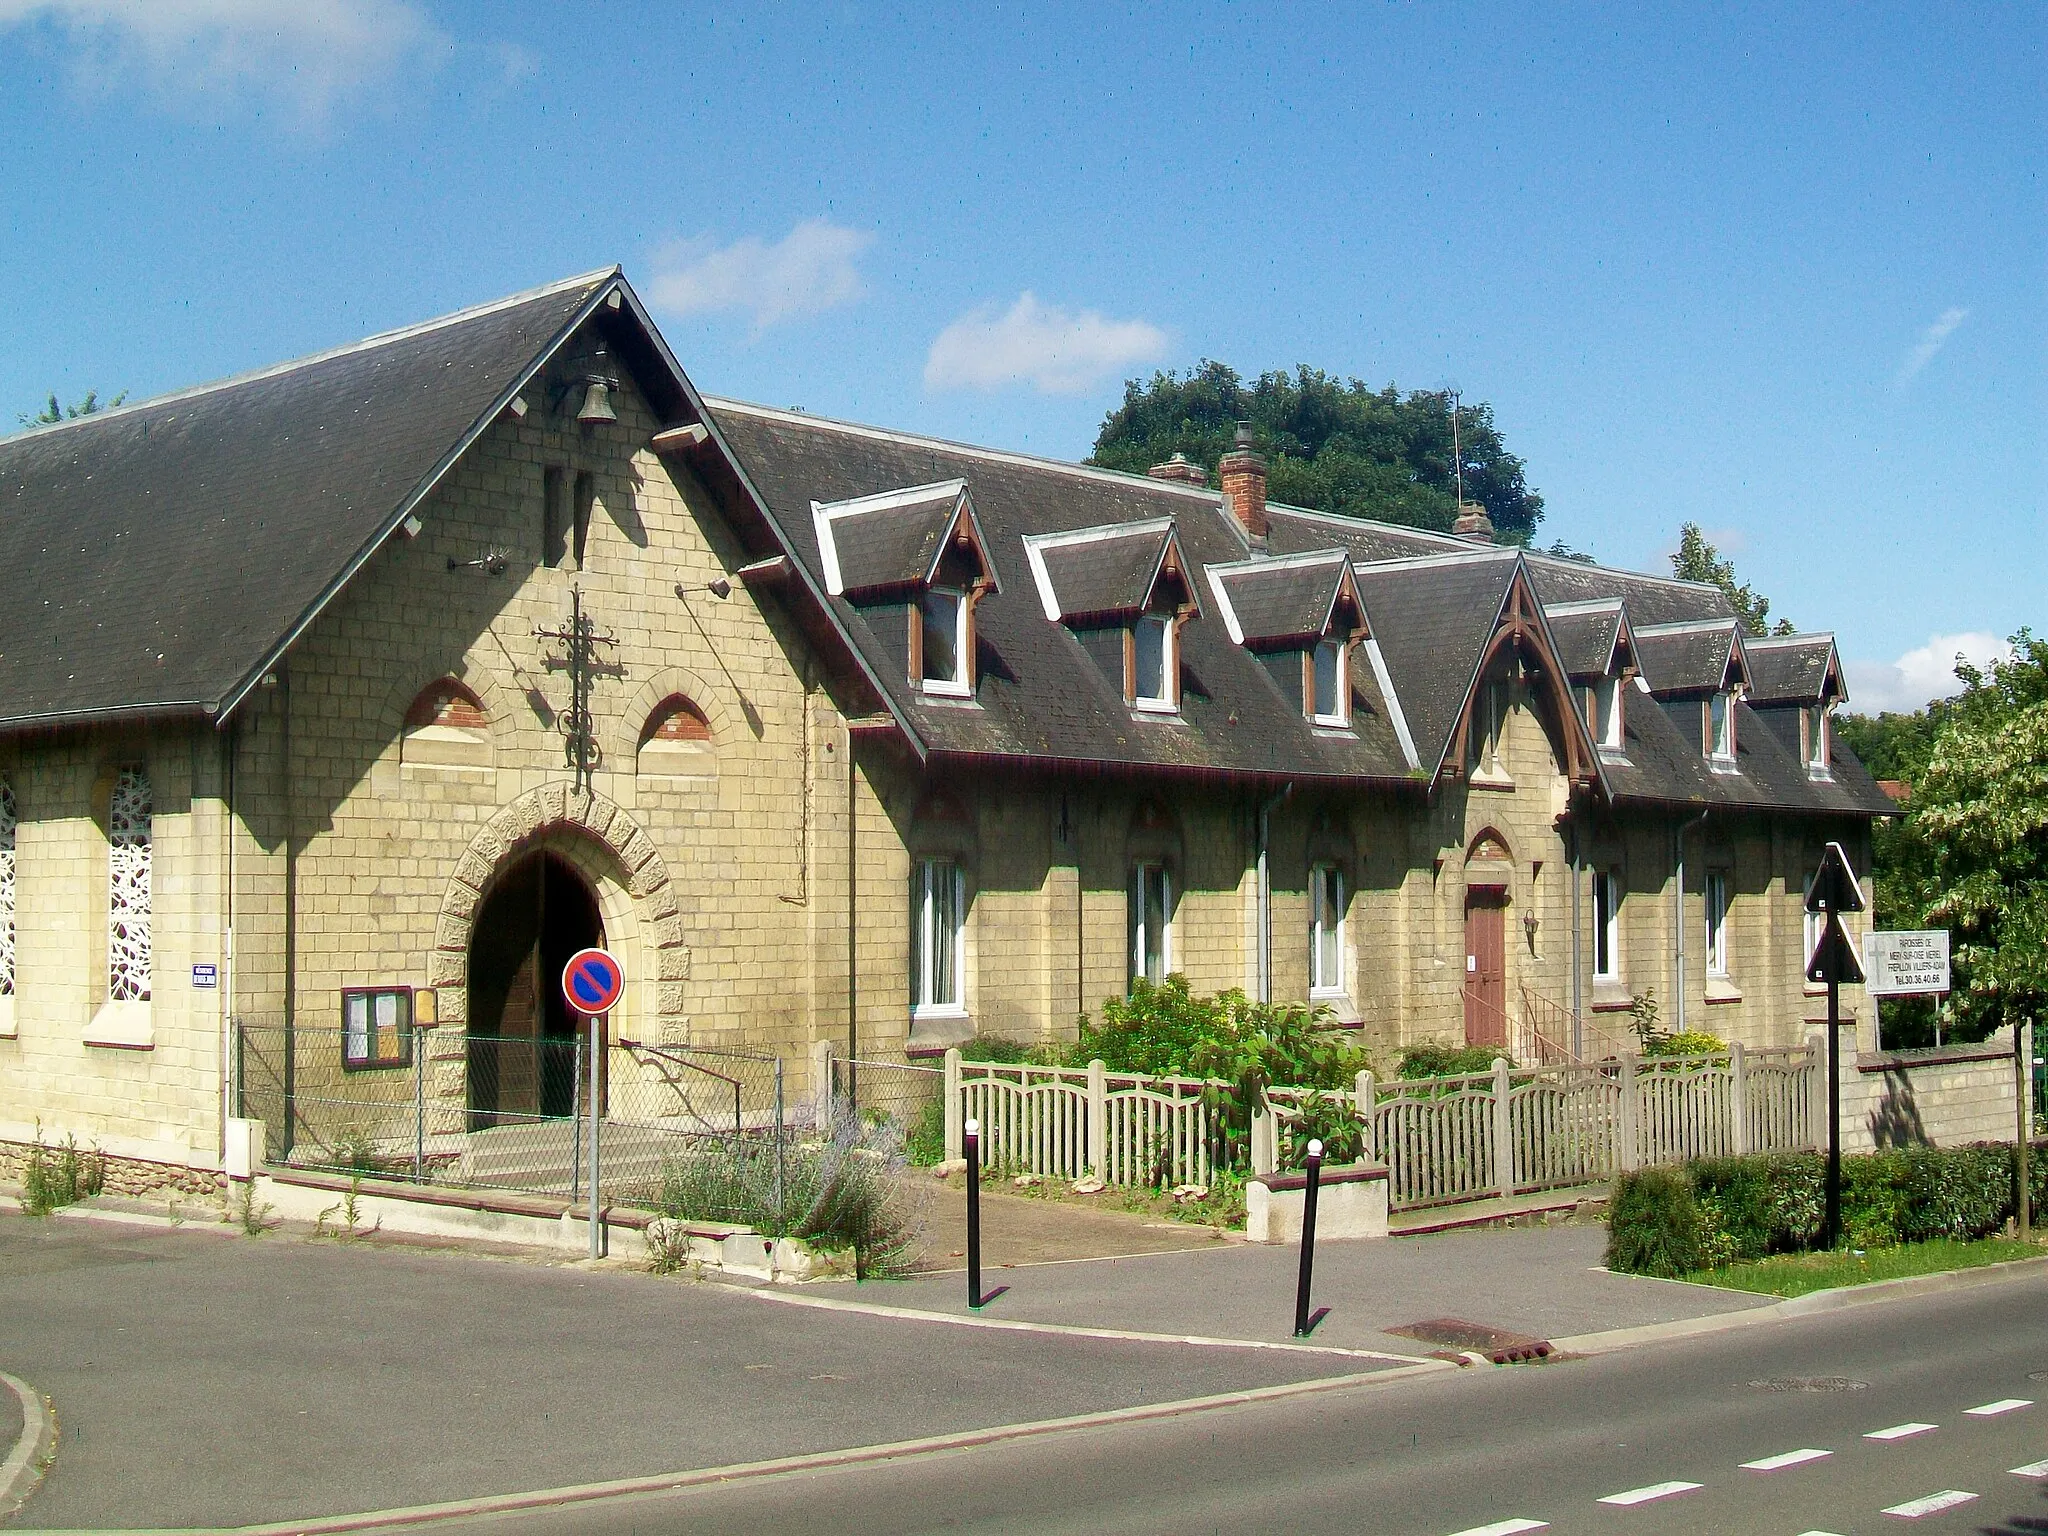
[1944, 1096]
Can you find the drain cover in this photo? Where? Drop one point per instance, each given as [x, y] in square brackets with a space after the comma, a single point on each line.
[1500, 1345]
[1809, 1384]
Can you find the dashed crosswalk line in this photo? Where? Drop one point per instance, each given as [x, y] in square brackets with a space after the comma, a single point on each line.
[1784, 1459]
[1506, 1528]
[2003, 1405]
[1899, 1432]
[1645, 1495]
[1933, 1504]
[2032, 1469]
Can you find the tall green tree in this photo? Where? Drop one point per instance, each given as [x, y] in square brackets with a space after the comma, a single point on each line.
[1332, 445]
[52, 412]
[1697, 560]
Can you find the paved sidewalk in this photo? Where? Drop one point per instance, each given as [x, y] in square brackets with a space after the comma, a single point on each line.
[1543, 1281]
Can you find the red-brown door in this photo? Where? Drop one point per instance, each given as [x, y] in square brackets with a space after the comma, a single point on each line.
[1486, 968]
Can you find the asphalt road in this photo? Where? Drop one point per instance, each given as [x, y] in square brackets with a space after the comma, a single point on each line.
[1503, 1451]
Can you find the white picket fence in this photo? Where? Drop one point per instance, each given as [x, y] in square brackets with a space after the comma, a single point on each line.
[1444, 1139]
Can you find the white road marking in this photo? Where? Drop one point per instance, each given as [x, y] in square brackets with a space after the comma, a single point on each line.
[1506, 1528]
[1644, 1495]
[1899, 1431]
[2032, 1469]
[1933, 1504]
[1784, 1459]
[2003, 1405]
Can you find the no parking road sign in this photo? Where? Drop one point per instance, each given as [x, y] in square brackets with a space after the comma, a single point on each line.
[593, 980]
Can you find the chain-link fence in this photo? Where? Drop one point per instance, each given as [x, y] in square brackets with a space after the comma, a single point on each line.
[896, 1095]
[443, 1106]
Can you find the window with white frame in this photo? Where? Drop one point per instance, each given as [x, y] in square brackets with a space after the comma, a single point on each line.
[1151, 922]
[1606, 925]
[948, 646]
[1325, 931]
[1154, 663]
[1603, 713]
[1717, 922]
[376, 1027]
[939, 966]
[7, 826]
[1721, 729]
[1814, 721]
[1330, 683]
[1482, 739]
[1816, 923]
[128, 896]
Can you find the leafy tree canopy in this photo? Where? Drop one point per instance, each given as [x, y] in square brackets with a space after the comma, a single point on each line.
[52, 412]
[1332, 445]
[1697, 560]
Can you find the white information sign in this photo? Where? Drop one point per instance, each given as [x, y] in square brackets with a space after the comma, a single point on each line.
[1908, 963]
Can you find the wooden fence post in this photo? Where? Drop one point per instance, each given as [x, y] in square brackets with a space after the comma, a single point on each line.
[1503, 1130]
[1628, 1141]
[1098, 1121]
[956, 1138]
[1738, 1099]
[1365, 1107]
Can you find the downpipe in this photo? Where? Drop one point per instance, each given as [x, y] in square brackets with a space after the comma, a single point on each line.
[1266, 810]
[1678, 921]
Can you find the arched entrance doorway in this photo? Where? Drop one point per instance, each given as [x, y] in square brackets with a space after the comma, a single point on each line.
[522, 1035]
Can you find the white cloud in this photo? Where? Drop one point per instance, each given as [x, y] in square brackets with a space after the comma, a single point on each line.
[1931, 341]
[1923, 673]
[1060, 352]
[809, 270]
[306, 53]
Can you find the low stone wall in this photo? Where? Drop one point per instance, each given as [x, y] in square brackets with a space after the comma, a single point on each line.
[1943, 1096]
[130, 1176]
[1350, 1202]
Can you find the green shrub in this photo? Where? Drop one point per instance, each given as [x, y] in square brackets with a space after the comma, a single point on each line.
[1419, 1061]
[64, 1176]
[924, 1144]
[1691, 1042]
[999, 1048]
[1653, 1224]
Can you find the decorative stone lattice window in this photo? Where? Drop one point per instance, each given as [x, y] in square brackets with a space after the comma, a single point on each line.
[128, 897]
[7, 825]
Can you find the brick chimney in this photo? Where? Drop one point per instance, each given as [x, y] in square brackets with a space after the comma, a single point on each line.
[1180, 467]
[1243, 471]
[1473, 525]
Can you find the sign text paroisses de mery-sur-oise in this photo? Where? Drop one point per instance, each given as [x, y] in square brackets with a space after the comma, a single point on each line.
[1910, 963]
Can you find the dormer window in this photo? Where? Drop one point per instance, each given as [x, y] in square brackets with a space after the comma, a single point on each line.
[1813, 731]
[1329, 683]
[945, 620]
[1603, 701]
[1721, 729]
[1153, 674]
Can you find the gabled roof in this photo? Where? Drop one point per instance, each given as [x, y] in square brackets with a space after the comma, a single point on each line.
[1793, 669]
[1107, 572]
[1699, 656]
[155, 558]
[896, 539]
[1284, 599]
[1588, 635]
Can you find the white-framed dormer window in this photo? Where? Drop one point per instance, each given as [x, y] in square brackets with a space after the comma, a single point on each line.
[939, 965]
[1151, 922]
[1721, 729]
[1716, 895]
[129, 818]
[1325, 931]
[945, 622]
[1329, 683]
[1483, 736]
[1603, 700]
[1155, 664]
[1606, 925]
[1813, 730]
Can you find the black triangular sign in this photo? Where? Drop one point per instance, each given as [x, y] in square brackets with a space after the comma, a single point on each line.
[1834, 884]
[1834, 958]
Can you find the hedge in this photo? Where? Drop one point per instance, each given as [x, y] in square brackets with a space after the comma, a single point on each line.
[1725, 1210]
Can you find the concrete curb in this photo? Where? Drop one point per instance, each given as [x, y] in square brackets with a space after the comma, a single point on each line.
[1078, 1331]
[676, 1482]
[1813, 1304]
[23, 1469]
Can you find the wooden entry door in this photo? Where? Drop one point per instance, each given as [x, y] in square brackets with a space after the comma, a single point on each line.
[1486, 968]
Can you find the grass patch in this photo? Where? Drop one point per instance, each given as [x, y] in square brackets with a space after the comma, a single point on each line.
[1797, 1274]
[1222, 1208]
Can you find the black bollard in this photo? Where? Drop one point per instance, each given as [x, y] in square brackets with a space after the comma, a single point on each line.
[1302, 1322]
[973, 1144]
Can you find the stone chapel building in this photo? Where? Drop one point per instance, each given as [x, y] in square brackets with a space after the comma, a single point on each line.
[353, 695]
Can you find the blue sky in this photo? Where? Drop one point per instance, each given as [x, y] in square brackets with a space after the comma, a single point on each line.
[1782, 272]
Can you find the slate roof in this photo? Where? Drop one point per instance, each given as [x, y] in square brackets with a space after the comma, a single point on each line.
[1099, 573]
[1691, 657]
[1281, 600]
[1584, 634]
[1792, 669]
[152, 556]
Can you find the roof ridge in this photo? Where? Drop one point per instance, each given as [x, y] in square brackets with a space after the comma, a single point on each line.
[1804, 637]
[273, 370]
[1448, 557]
[1615, 570]
[1299, 559]
[1447, 539]
[1673, 626]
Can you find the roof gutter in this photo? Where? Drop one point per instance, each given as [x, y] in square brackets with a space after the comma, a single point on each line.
[113, 714]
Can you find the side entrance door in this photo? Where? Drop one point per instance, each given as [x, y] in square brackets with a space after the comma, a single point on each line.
[1486, 968]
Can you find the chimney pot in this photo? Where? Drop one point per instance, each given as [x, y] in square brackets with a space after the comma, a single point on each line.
[1181, 468]
[1473, 525]
[1243, 472]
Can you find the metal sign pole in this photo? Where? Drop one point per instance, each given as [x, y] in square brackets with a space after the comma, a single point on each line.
[596, 1051]
[1832, 1233]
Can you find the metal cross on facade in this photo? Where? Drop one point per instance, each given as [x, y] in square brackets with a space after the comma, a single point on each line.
[580, 640]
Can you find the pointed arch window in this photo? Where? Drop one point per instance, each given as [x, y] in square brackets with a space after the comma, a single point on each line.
[676, 740]
[130, 814]
[447, 726]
